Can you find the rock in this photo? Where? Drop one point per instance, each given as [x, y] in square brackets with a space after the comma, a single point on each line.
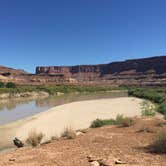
[18, 142]
[46, 142]
[79, 133]
[12, 159]
[107, 162]
[94, 163]
[84, 130]
[93, 158]
[118, 161]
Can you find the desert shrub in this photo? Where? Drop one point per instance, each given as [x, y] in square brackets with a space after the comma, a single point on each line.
[148, 113]
[119, 120]
[127, 122]
[99, 122]
[162, 108]
[34, 139]
[10, 85]
[155, 95]
[159, 144]
[2, 85]
[69, 133]
[148, 109]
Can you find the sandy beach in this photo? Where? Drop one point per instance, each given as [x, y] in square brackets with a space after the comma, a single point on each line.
[78, 115]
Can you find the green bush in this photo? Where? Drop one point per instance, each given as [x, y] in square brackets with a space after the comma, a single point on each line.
[154, 95]
[11, 85]
[120, 120]
[2, 85]
[99, 123]
[148, 113]
[162, 108]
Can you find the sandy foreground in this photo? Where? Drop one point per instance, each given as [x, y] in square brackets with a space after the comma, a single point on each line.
[77, 115]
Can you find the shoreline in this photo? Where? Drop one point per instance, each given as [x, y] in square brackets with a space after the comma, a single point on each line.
[77, 115]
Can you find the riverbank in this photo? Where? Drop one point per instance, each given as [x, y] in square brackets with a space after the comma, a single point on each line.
[128, 145]
[77, 115]
[25, 91]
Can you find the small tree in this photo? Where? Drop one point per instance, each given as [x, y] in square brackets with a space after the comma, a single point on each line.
[10, 85]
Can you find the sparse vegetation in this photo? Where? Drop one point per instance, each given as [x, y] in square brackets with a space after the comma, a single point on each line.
[10, 85]
[2, 85]
[159, 144]
[155, 94]
[127, 122]
[34, 139]
[99, 123]
[54, 89]
[148, 109]
[120, 120]
[162, 107]
[69, 133]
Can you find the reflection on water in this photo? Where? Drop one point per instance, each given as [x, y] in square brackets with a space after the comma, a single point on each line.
[15, 109]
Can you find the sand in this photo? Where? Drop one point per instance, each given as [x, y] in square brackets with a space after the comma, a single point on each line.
[78, 115]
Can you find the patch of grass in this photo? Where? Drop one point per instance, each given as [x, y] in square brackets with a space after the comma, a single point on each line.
[159, 144]
[99, 123]
[34, 139]
[69, 133]
[124, 121]
[120, 120]
[148, 109]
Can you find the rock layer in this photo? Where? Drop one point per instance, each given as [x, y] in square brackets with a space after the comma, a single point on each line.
[139, 71]
[147, 71]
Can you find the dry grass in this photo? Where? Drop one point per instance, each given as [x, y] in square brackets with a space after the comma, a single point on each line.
[124, 121]
[127, 122]
[34, 139]
[69, 133]
[159, 144]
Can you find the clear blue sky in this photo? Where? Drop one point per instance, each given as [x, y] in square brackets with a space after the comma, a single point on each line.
[70, 32]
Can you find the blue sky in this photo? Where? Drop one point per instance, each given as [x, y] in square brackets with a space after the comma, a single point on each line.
[70, 32]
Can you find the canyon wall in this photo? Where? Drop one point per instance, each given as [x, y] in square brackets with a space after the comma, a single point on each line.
[146, 71]
[138, 71]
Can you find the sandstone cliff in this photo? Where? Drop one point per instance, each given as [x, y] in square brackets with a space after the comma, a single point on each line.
[138, 71]
[147, 71]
